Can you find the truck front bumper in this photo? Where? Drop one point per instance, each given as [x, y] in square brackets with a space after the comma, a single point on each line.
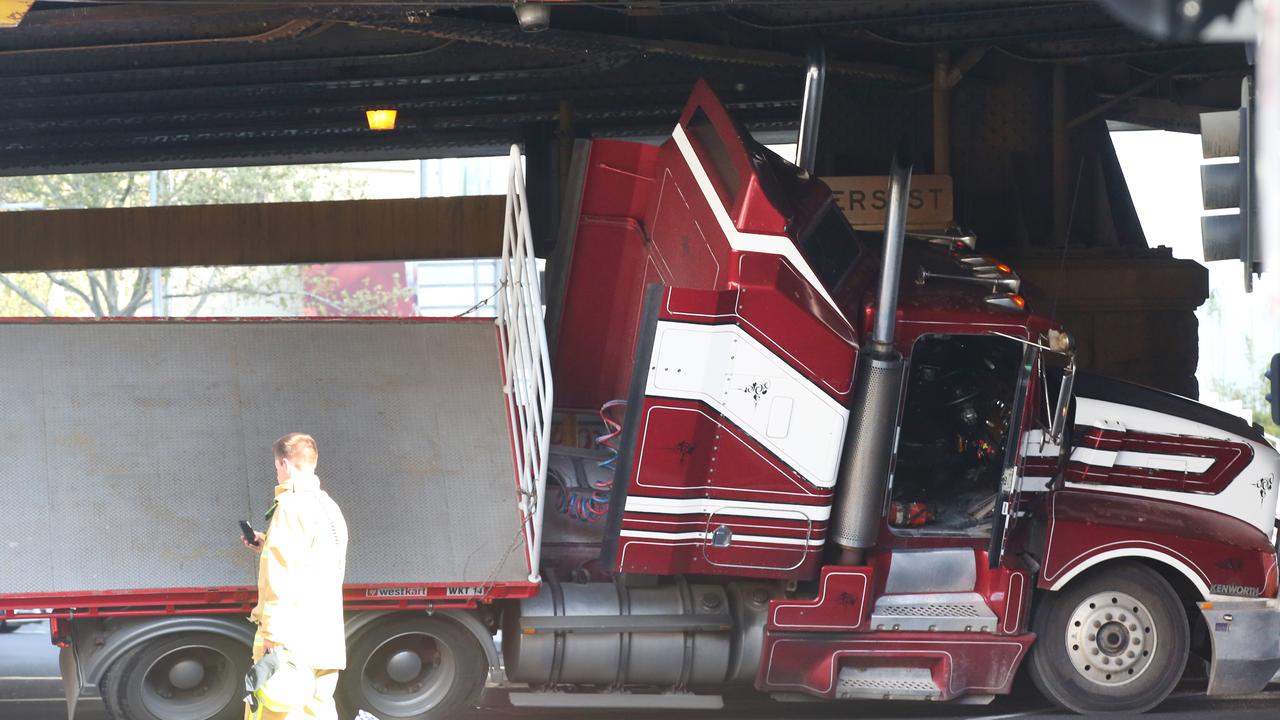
[1246, 644]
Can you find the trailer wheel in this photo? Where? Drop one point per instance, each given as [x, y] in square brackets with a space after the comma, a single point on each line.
[185, 676]
[412, 667]
[1115, 641]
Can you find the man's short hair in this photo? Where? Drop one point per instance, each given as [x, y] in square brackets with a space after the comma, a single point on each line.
[298, 448]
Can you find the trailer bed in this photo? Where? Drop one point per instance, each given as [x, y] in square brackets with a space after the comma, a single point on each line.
[129, 451]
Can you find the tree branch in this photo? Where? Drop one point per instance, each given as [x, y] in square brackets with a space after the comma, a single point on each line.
[136, 299]
[128, 190]
[97, 291]
[70, 286]
[205, 294]
[259, 293]
[112, 292]
[31, 300]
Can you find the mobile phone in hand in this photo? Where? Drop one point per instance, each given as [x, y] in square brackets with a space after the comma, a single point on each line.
[246, 529]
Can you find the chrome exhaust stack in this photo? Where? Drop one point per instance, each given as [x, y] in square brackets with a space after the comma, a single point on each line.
[815, 80]
[867, 459]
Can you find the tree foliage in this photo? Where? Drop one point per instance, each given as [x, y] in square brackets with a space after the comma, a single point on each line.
[187, 291]
[1251, 388]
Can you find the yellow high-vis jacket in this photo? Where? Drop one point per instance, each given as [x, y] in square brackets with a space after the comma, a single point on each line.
[300, 574]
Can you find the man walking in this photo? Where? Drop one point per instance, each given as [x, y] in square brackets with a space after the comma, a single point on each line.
[300, 577]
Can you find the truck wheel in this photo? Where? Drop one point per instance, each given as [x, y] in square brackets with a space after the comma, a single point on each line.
[1114, 641]
[6, 628]
[413, 667]
[191, 676]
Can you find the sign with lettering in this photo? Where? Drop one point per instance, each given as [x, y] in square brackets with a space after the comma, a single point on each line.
[864, 199]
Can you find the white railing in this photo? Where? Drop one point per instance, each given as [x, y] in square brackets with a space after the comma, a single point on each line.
[522, 337]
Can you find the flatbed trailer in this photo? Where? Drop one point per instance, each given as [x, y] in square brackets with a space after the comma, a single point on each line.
[130, 449]
[410, 415]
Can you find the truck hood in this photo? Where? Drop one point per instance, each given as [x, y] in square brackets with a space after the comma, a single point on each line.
[1135, 440]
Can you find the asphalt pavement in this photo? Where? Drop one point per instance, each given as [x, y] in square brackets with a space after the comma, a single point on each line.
[30, 689]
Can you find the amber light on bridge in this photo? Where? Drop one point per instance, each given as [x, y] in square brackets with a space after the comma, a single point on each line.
[381, 119]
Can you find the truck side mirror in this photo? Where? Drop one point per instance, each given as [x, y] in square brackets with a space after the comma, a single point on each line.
[1064, 401]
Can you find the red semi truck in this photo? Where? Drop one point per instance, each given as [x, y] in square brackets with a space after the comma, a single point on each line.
[842, 468]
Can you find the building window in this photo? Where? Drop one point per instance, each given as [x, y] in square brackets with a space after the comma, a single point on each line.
[446, 288]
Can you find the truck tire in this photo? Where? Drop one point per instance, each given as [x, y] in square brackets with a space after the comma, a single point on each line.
[1114, 641]
[6, 628]
[412, 667]
[183, 676]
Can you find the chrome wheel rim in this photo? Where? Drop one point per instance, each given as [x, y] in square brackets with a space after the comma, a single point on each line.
[1111, 639]
[408, 674]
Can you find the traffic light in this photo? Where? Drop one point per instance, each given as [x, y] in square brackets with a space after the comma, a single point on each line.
[1229, 227]
[1273, 396]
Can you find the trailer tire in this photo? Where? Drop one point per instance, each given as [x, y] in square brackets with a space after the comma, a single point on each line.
[412, 667]
[182, 676]
[1114, 641]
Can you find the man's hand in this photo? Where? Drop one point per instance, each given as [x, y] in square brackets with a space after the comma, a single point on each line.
[267, 645]
[256, 545]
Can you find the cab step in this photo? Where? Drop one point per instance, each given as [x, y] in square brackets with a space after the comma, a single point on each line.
[886, 683]
[933, 612]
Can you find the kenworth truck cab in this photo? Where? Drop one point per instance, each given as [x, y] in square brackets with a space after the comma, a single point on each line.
[880, 455]
[835, 465]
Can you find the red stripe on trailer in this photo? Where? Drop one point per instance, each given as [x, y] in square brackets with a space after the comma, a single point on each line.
[206, 601]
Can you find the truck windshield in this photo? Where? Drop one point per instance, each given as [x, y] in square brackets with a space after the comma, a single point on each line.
[830, 246]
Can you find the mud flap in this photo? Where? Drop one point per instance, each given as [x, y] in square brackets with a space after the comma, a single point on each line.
[71, 680]
[1246, 655]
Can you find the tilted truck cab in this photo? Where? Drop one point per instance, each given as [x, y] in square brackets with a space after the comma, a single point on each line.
[835, 466]
[771, 436]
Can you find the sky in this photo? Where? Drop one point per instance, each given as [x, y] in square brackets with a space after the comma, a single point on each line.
[1239, 331]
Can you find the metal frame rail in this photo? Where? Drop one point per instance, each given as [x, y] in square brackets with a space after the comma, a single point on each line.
[522, 338]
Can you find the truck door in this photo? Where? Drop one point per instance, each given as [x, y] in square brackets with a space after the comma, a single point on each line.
[1020, 431]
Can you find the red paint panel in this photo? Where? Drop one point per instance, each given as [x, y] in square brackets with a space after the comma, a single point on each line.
[678, 557]
[1216, 549]
[621, 179]
[1007, 591]
[686, 449]
[608, 270]
[739, 524]
[961, 663]
[843, 603]
[749, 209]
[690, 249]
[1229, 460]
